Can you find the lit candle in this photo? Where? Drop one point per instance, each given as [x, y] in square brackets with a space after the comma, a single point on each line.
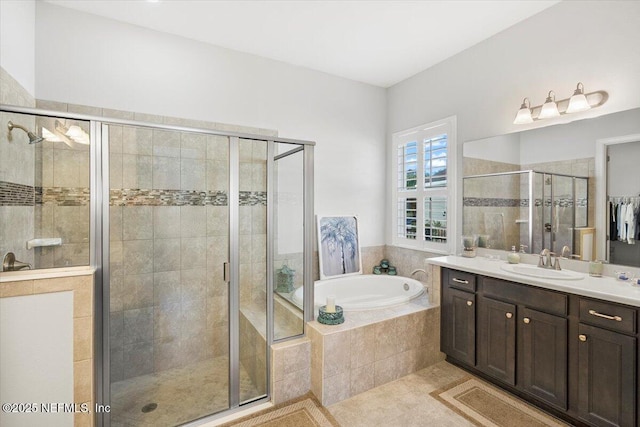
[331, 304]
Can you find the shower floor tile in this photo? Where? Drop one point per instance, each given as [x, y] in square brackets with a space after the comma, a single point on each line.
[182, 394]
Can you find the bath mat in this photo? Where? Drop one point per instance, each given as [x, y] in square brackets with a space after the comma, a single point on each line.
[304, 411]
[485, 405]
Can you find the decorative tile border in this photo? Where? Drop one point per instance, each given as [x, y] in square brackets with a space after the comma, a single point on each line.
[62, 196]
[146, 197]
[493, 202]
[16, 194]
[564, 202]
[253, 198]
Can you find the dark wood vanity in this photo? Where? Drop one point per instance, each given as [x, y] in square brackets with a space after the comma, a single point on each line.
[571, 355]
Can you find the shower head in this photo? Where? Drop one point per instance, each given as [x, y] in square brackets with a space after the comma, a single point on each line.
[33, 138]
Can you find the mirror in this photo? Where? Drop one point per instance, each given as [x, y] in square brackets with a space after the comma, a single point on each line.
[537, 188]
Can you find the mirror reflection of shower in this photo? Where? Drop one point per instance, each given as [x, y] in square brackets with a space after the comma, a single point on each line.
[33, 138]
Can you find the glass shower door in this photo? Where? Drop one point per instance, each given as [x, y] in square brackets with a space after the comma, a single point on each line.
[563, 213]
[168, 300]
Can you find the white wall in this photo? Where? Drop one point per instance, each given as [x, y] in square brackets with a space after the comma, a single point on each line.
[17, 41]
[624, 169]
[500, 148]
[85, 59]
[576, 140]
[36, 356]
[592, 42]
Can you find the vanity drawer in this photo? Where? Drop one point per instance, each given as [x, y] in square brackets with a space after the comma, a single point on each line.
[540, 299]
[460, 280]
[608, 315]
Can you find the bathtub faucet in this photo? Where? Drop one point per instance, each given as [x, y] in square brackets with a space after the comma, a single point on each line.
[417, 270]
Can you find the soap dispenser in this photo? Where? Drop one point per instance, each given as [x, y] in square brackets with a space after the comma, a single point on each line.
[513, 257]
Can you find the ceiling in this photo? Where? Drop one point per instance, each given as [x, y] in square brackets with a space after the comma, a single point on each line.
[375, 42]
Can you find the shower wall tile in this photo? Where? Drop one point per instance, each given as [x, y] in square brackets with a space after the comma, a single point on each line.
[70, 254]
[118, 114]
[138, 290]
[194, 316]
[193, 221]
[84, 109]
[138, 256]
[218, 148]
[115, 140]
[137, 141]
[166, 173]
[217, 218]
[217, 175]
[166, 143]
[138, 359]
[167, 322]
[166, 288]
[71, 168]
[166, 254]
[149, 118]
[137, 171]
[116, 330]
[259, 177]
[245, 148]
[115, 223]
[193, 146]
[259, 219]
[16, 150]
[116, 293]
[116, 258]
[167, 355]
[194, 284]
[245, 220]
[115, 171]
[116, 364]
[16, 227]
[138, 325]
[71, 223]
[166, 221]
[137, 222]
[246, 181]
[194, 252]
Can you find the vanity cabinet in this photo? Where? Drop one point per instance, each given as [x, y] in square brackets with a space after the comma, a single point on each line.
[571, 355]
[496, 329]
[606, 363]
[459, 313]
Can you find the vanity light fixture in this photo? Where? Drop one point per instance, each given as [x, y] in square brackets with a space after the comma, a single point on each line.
[551, 108]
[524, 113]
[578, 102]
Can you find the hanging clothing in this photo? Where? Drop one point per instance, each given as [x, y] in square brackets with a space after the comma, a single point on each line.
[630, 223]
[613, 227]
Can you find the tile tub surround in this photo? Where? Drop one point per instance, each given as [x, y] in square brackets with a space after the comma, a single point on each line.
[79, 280]
[372, 348]
[16, 216]
[290, 369]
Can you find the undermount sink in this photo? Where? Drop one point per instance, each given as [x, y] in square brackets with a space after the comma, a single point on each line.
[543, 273]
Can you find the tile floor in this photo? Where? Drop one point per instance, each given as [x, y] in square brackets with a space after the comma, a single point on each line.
[404, 403]
[182, 394]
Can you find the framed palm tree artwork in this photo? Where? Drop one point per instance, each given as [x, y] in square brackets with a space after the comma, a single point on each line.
[338, 246]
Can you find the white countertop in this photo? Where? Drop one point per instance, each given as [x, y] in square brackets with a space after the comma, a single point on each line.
[604, 288]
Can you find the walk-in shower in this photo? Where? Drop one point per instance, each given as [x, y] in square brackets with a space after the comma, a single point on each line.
[528, 209]
[188, 228]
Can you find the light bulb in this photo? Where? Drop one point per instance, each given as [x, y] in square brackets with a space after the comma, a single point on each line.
[550, 108]
[524, 113]
[578, 101]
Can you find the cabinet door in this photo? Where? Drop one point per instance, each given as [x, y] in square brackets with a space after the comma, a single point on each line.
[497, 339]
[542, 361]
[459, 325]
[606, 377]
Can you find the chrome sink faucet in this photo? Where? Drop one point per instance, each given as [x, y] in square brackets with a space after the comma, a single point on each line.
[545, 260]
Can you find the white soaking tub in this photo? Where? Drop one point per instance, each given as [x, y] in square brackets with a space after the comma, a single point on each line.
[364, 292]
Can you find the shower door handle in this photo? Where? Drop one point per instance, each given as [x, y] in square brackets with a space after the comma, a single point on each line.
[225, 272]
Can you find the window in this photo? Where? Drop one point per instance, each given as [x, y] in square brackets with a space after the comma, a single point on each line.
[422, 190]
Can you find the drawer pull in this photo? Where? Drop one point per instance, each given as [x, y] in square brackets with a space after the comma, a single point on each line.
[469, 303]
[526, 320]
[605, 316]
[509, 315]
[464, 282]
[582, 338]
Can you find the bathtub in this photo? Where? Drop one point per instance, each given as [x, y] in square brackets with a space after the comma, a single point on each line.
[364, 292]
